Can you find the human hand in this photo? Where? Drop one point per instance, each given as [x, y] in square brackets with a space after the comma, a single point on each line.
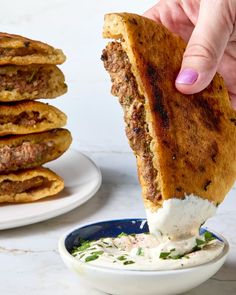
[209, 27]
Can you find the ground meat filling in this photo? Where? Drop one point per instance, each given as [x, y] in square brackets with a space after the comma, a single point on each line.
[29, 118]
[11, 188]
[22, 51]
[124, 86]
[25, 155]
[25, 81]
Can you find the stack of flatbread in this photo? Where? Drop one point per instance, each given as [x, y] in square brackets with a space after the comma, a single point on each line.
[31, 132]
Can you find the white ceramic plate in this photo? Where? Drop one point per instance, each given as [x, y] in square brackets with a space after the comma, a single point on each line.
[82, 180]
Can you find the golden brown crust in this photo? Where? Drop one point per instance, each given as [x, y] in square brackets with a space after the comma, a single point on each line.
[194, 136]
[54, 184]
[29, 117]
[32, 150]
[31, 82]
[18, 50]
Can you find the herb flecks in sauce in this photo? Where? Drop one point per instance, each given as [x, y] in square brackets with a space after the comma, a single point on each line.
[144, 251]
[140, 251]
[200, 244]
[122, 235]
[121, 258]
[84, 245]
[91, 257]
[128, 262]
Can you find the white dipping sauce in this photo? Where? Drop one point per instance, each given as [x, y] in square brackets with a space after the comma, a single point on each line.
[180, 218]
[173, 242]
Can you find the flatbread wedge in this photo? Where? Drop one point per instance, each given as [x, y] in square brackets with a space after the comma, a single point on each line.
[183, 144]
[31, 82]
[29, 151]
[18, 50]
[29, 185]
[29, 117]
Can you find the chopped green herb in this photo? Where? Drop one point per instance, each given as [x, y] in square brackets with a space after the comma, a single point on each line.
[140, 252]
[91, 257]
[164, 255]
[31, 78]
[122, 235]
[121, 258]
[105, 243]
[200, 242]
[129, 99]
[179, 256]
[172, 250]
[100, 245]
[84, 246]
[110, 246]
[97, 252]
[128, 262]
[208, 236]
[196, 248]
[81, 256]
[74, 252]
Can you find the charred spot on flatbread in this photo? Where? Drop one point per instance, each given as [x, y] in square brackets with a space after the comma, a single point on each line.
[184, 144]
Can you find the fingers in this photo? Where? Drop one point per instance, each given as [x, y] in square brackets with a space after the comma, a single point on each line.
[153, 13]
[173, 16]
[206, 46]
[233, 101]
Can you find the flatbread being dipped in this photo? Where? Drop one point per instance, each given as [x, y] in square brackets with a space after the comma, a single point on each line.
[184, 144]
[18, 50]
[29, 185]
[29, 117]
[28, 151]
[31, 82]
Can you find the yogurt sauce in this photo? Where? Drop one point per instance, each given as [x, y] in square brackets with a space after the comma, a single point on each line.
[173, 242]
[179, 220]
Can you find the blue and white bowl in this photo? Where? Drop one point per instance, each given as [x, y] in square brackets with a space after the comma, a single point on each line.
[133, 282]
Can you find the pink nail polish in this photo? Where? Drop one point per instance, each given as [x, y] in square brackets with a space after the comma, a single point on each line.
[187, 76]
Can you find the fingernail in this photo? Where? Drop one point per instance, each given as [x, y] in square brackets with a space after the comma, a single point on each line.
[187, 76]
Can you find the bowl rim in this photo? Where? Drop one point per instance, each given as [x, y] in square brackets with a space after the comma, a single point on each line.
[64, 252]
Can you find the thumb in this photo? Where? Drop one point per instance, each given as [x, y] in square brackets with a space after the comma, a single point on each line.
[206, 46]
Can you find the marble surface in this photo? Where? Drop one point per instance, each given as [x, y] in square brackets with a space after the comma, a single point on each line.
[30, 262]
[29, 259]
